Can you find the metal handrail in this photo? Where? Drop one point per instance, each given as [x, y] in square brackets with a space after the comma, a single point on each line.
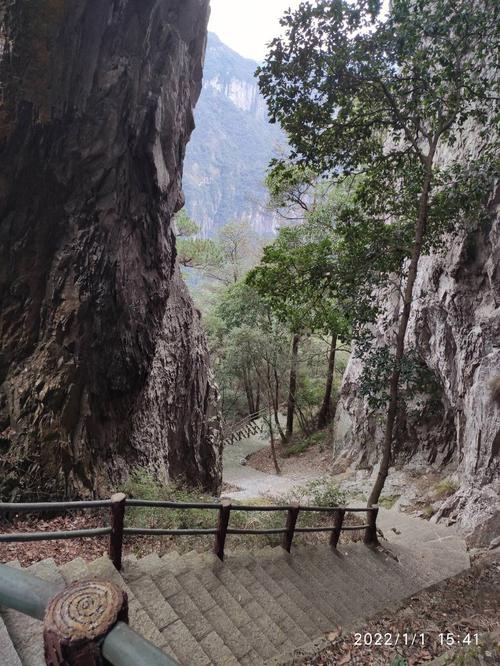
[31, 595]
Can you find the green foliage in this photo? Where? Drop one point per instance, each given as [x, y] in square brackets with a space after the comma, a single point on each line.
[184, 225]
[319, 492]
[418, 384]
[344, 79]
[293, 278]
[399, 661]
[141, 485]
[446, 488]
[360, 93]
[388, 501]
[303, 444]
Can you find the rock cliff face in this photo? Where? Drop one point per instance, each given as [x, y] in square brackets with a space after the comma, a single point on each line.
[232, 145]
[455, 329]
[103, 363]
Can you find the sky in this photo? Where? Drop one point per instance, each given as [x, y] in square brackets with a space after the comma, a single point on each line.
[248, 25]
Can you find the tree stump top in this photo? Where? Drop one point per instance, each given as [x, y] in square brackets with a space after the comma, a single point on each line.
[85, 611]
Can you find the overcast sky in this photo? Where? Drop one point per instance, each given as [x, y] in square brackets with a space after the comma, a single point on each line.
[248, 25]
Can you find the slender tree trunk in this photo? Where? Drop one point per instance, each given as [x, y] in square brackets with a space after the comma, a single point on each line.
[325, 413]
[249, 394]
[292, 386]
[257, 399]
[420, 227]
[277, 405]
[271, 437]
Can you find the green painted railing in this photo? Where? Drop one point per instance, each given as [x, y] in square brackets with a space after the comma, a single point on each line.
[121, 647]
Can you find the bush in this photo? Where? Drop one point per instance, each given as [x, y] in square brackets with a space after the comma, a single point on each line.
[388, 501]
[304, 443]
[141, 485]
[446, 488]
[319, 492]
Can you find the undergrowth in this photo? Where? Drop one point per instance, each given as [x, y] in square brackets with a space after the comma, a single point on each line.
[141, 485]
[303, 443]
[446, 488]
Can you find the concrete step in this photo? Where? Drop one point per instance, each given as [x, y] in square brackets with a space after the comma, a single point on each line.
[208, 590]
[296, 604]
[8, 652]
[139, 620]
[274, 612]
[255, 608]
[25, 632]
[200, 625]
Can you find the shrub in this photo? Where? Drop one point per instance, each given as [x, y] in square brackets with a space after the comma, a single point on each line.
[304, 443]
[446, 487]
[319, 492]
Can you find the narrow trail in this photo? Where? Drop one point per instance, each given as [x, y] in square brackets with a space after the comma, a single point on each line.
[397, 527]
[251, 482]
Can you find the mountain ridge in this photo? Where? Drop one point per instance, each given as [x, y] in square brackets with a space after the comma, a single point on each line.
[232, 145]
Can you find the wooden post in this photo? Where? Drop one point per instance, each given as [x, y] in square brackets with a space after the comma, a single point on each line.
[371, 538]
[338, 521]
[291, 520]
[116, 536]
[78, 619]
[220, 537]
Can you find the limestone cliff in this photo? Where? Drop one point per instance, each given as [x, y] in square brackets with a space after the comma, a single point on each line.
[103, 363]
[232, 145]
[455, 329]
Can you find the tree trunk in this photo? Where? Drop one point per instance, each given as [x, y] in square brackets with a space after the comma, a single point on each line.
[325, 413]
[271, 436]
[292, 386]
[420, 228]
[249, 392]
[103, 364]
[277, 406]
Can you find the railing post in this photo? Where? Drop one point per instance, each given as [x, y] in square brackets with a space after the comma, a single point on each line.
[338, 520]
[78, 619]
[222, 523]
[371, 538]
[116, 536]
[291, 521]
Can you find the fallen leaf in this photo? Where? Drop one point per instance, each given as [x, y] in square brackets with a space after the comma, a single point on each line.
[333, 635]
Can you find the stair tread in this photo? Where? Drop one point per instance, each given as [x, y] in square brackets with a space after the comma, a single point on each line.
[7, 649]
[204, 621]
[302, 627]
[26, 633]
[228, 598]
[253, 608]
[138, 617]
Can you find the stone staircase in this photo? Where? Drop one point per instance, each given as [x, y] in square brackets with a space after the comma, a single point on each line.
[263, 607]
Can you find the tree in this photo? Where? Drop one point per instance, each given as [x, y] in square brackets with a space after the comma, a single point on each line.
[250, 347]
[287, 279]
[384, 98]
[223, 259]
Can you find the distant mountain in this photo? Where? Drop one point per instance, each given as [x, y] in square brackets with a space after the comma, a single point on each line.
[231, 146]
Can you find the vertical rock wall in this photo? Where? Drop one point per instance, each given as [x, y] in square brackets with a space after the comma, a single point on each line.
[455, 330]
[103, 363]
